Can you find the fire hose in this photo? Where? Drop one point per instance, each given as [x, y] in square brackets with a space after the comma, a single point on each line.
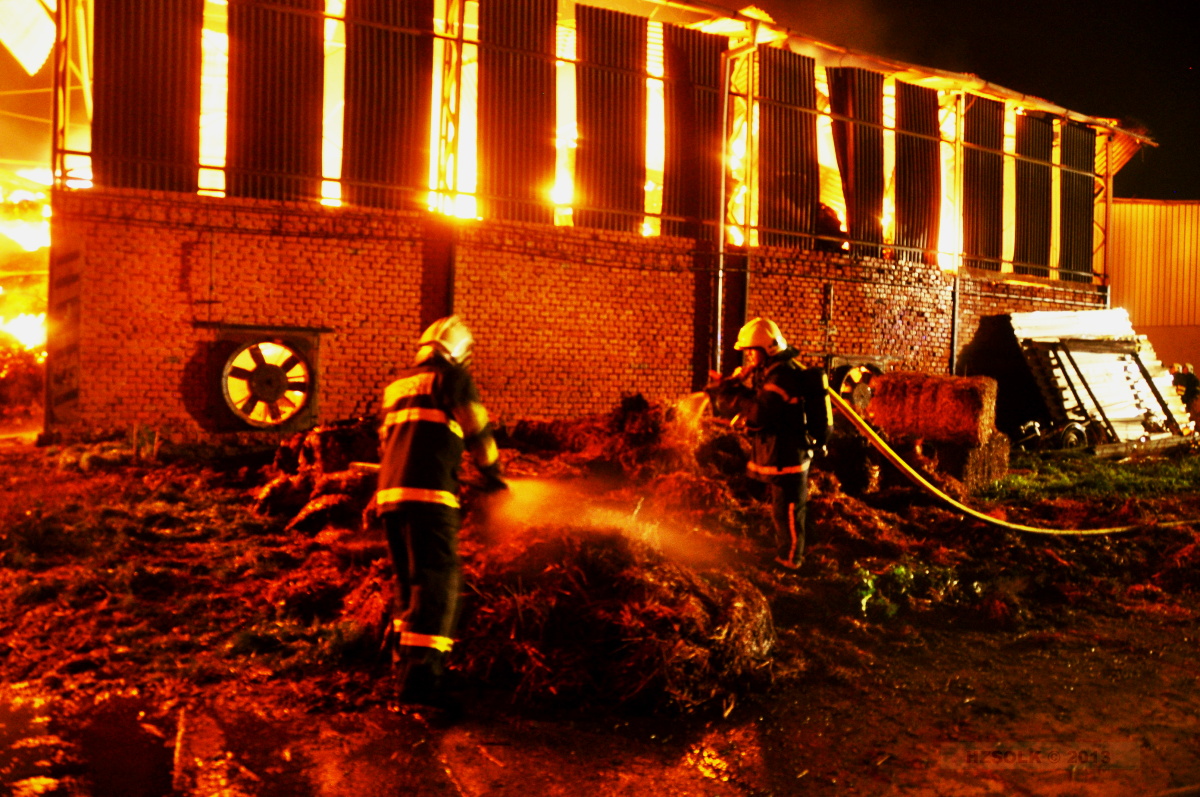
[883, 448]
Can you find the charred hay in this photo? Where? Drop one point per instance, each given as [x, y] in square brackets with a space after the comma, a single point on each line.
[595, 616]
[633, 441]
[571, 610]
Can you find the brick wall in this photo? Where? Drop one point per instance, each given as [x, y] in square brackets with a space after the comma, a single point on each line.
[144, 284]
[570, 319]
[830, 304]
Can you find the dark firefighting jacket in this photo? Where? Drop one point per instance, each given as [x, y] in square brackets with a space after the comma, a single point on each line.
[786, 412]
[431, 414]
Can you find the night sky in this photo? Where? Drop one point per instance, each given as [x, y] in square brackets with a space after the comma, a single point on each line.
[1139, 62]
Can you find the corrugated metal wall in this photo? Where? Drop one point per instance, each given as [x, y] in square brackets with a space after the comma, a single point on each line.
[610, 163]
[1154, 261]
[276, 84]
[146, 126]
[1078, 203]
[147, 55]
[983, 183]
[918, 183]
[856, 101]
[692, 168]
[389, 74]
[1035, 149]
[516, 109]
[788, 174]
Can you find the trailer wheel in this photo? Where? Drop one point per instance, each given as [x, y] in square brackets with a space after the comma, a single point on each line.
[266, 382]
[1073, 436]
[853, 383]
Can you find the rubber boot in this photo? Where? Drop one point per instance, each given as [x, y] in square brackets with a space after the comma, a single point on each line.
[422, 680]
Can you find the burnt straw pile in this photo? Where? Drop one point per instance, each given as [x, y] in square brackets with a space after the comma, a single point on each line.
[629, 563]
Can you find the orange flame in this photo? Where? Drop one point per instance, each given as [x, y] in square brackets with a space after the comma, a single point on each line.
[655, 129]
[29, 329]
[566, 136]
[950, 236]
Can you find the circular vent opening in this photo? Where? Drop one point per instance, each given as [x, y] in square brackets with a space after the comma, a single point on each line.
[266, 383]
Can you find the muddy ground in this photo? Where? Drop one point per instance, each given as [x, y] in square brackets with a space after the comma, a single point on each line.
[167, 627]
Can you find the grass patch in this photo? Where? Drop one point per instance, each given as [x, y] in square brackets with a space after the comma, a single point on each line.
[1035, 478]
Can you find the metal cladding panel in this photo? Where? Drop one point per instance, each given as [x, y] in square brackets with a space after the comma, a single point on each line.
[276, 80]
[1077, 214]
[389, 77]
[856, 100]
[1154, 261]
[983, 183]
[788, 171]
[692, 169]
[1120, 150]
[610, 162]
[517, 109]
[146, 122]
[918, 174]
[1035, 149]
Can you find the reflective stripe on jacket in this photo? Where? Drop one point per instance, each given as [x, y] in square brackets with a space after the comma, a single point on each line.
[431, 414]
[787, 418]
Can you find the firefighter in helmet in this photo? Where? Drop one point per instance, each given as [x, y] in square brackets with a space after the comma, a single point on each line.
[431, 415]
[784, 408]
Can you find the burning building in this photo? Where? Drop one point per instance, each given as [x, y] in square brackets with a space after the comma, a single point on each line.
[258, 205]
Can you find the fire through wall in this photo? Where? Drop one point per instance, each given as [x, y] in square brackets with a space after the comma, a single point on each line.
[344, 168]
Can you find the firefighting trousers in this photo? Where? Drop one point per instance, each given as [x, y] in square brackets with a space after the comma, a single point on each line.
[789, 513]
[423, 540]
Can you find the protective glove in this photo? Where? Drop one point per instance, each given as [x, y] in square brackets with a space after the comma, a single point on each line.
[492, 482]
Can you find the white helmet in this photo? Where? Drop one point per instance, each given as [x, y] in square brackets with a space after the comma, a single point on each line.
[761, 333]
[448, 337]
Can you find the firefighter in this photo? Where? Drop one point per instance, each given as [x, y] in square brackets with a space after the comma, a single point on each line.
[431, 415]
[784, 408]
[1187, 385]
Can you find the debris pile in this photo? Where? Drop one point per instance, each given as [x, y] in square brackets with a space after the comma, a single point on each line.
[634, 441]
[627, 565]
[560, 614]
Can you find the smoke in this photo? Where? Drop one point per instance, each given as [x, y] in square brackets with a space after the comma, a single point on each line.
[589, 506]
[921, 32]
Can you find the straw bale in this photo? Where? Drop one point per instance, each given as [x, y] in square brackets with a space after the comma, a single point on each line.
[953, 409]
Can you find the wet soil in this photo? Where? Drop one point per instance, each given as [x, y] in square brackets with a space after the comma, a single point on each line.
[160, 637]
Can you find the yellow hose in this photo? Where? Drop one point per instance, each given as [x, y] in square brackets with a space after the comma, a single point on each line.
[844, 407]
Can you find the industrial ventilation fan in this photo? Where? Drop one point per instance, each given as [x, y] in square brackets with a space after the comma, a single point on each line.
[267, 383]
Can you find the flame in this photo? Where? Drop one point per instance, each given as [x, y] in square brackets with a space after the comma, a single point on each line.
[888, 218]
[656, 145]
[950, 234]
[832, 195]
[453, 123]
[740, 211]
[566, 138]
[1009, 182]
[24, 219]
[334, 106]
[29, 329]
[214, 97]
